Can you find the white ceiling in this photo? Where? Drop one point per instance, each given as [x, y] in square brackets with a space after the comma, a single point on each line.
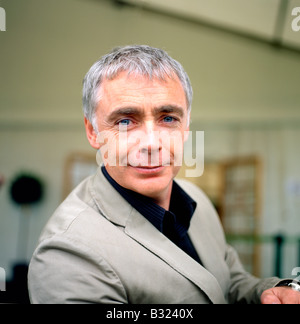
[257, 18]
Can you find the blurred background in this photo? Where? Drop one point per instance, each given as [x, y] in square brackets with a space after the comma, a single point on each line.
[243, 58]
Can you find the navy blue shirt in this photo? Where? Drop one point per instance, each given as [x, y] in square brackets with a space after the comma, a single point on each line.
[173, 223]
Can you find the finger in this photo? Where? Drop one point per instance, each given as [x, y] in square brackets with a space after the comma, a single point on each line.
[269, 298]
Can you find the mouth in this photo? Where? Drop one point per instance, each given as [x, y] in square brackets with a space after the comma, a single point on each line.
[148, 170]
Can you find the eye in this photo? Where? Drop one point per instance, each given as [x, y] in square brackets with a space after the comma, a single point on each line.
[169, 119]
[124, 122]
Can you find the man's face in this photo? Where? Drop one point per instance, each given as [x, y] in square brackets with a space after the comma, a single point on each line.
[142, 126]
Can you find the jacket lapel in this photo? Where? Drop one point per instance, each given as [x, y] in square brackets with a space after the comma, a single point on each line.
[117, 210]
[139, 229]
[209, 253]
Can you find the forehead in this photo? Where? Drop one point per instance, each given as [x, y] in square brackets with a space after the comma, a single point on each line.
[140, 90]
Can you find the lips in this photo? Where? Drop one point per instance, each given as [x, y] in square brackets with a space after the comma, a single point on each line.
[148, 169]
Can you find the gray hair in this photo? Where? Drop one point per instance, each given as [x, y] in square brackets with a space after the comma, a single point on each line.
[139, 59]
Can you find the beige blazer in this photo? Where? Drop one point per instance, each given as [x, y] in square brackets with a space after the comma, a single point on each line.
[97, 248]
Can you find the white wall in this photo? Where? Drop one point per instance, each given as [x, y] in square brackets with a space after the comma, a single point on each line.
[246, 99]
[43, 153]
[254, 17]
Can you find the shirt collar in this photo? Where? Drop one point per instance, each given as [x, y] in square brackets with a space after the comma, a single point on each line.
[182, 206]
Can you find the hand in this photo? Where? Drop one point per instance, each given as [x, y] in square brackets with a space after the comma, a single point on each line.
[280, 295]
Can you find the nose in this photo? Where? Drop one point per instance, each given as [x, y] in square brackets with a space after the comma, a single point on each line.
[150, 142]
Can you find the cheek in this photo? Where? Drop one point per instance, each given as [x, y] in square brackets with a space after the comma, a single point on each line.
[122, 148]
[119, 146]
[109, 147]
[173, 143]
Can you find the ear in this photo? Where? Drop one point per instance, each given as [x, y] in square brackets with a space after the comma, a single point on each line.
[91, 134]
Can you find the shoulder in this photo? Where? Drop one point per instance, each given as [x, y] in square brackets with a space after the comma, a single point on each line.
[73, 206]
[71, 247]
[78, 217]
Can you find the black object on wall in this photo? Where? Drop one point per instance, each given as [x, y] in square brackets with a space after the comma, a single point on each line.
[26, 190]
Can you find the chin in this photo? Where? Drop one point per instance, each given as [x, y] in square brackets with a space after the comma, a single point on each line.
[152, 185]
[153, 189]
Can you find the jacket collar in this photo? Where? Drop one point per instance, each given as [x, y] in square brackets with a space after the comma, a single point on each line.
[112, 205]
[118, 211]
[182, 206]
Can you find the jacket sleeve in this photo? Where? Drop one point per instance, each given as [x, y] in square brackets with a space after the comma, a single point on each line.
[66, 272]
[244, 288]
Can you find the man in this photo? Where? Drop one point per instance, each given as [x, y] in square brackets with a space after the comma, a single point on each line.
[131, 234]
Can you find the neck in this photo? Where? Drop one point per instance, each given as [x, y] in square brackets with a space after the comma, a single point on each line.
[164, 199]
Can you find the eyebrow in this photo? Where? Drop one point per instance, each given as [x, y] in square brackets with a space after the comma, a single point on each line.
[170, 109]
[131, 111]
[123, 112]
